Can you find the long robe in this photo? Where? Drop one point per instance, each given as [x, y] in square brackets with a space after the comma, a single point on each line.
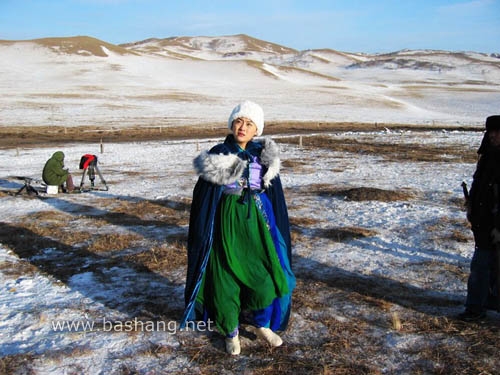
[222, 165]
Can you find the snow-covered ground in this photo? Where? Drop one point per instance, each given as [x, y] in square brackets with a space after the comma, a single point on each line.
[403, 249]
[418, 248]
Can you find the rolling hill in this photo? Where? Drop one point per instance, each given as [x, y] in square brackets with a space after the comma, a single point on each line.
[78, 81]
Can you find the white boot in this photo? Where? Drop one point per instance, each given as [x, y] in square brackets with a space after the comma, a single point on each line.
[233, 346]
[267, 334]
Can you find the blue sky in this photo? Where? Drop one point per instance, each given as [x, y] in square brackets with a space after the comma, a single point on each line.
[351, 26]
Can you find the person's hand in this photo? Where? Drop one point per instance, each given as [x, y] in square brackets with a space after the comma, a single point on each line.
[495, 236]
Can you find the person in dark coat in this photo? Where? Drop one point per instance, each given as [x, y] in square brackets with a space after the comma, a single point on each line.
[55, 174]
[239, 244]
[483, 213]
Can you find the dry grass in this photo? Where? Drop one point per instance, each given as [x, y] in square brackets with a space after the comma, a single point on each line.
[345, 319]
[397, 152]
[159, 212]
[17, 269]
[355, 194]
[457, 348]
[39, 136]
[173, 95]
[113, 242]
[453, 230]
[17, 364]
[81, 45]
[292, 69]
[56, 225]
[344, 234]
[82, 238]
[303, 221]
[162, 258]
[335, 349]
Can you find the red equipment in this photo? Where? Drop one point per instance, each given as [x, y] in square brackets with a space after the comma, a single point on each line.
[88, 163]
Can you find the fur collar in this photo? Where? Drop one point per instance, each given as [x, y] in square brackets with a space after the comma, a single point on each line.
[225, 168]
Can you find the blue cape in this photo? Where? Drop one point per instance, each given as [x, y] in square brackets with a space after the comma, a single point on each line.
[206, 196]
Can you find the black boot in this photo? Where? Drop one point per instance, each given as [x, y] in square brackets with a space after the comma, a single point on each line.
[472, 314]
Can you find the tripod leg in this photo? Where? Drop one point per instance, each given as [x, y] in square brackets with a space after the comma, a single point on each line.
[100, 176]
[83, 178]
[21, 190]
[30, 189]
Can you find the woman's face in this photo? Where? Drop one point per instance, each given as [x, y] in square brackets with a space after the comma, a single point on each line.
[495, 137]
[243, 131]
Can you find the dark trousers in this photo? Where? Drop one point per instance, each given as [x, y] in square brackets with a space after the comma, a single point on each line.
[481, 286]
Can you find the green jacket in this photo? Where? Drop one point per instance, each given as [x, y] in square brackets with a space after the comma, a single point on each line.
[53, 172]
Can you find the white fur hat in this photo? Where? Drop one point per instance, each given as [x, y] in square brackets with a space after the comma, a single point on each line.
[248, 110]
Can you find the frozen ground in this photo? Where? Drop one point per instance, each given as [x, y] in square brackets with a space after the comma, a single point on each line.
[409, 263]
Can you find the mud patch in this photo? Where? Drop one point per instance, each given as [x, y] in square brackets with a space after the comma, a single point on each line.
[358, 193]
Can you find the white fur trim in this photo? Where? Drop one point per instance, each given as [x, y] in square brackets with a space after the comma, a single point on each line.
[270, 158]
[221, 169]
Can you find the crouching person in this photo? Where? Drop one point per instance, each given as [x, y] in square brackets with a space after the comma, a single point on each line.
[55, 174]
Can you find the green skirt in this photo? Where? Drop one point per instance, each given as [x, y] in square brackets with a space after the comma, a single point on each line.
[243, 271]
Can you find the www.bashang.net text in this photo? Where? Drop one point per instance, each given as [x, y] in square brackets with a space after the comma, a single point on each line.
[132, 325]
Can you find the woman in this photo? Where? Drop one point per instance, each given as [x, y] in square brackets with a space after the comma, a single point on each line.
[239, 246]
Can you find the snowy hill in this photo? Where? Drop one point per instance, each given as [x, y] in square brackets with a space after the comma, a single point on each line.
[210, 48]
[184, 80]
